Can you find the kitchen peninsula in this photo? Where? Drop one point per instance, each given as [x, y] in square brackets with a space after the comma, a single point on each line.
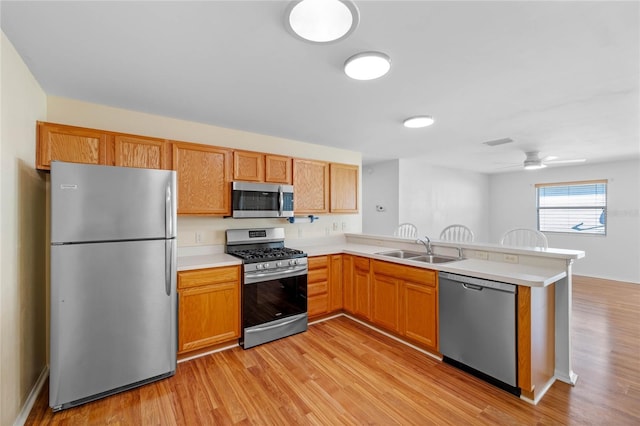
[542, 276]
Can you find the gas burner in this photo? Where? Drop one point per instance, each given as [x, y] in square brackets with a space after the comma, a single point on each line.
[269, 253]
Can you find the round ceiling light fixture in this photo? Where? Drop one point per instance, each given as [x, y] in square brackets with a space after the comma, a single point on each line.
[367, 65]
[322, 21]
[418, 121]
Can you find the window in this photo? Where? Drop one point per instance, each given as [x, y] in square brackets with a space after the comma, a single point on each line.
[574, 207]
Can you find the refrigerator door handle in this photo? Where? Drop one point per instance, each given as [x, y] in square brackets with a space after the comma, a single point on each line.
[168, 217]
[168, 259]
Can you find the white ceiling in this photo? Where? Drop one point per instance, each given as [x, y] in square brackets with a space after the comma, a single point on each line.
[558, 77]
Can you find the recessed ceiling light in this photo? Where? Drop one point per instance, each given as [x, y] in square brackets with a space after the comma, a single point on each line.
[418, 121]
[367, 65]
[322, 21]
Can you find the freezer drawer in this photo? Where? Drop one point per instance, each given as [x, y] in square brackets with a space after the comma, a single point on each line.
[113, 317]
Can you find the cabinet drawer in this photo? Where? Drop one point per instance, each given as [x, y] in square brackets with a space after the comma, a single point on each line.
[316, 288]
[318, 305]
[361, 263]
[317, 262]
[408, 273]
[200, 277]
[316, 275]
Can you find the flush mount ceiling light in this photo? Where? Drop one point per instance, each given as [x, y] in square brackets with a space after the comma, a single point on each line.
[322, 21]
[367, 65]
[418, 121]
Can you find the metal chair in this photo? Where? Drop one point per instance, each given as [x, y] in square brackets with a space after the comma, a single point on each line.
[523, 237]
[458, 233]
[406, 230]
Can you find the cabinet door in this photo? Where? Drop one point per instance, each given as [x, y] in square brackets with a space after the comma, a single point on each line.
[71, 144]
[248, 166]
[344, 188]
[335, 283]
[203, 175]
[361, 288]
[209, 308]
[385, 301]
[419, 313]
[311, 183]
[278, 169]
[209, 314]
[147, 153]
[347, 283]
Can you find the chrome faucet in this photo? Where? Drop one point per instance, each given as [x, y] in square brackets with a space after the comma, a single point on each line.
[427, 244]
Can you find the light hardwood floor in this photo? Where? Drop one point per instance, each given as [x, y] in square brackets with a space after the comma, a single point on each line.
[340, 372]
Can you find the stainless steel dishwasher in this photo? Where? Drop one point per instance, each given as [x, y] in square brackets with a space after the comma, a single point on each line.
[478, 328]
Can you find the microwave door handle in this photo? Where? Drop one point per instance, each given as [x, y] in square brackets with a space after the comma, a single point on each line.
[280, 200]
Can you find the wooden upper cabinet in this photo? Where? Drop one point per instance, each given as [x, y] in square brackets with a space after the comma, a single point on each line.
[344, 188]
[71, 144]
[311, 183]
[248, 166]
[203, 175]
[259, 167]
[278, 169]
[134, 151]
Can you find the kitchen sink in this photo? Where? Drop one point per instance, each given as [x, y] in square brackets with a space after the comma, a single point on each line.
[432, 258]
[401, 254]
[419, 257]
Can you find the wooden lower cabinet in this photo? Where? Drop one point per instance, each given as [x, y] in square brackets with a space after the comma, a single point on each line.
[536, 338]
[361, 287]
[324, 288]
[318, 286]
[209, 307]
[404, 301]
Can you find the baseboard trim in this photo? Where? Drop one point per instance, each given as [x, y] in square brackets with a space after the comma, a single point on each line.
[33, 396]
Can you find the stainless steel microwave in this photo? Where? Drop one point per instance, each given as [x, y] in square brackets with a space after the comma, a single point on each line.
[261, 200]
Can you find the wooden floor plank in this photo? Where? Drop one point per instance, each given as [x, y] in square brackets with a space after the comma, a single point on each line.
[341, 372]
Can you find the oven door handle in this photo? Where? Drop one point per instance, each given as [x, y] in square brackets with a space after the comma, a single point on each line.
[269, 327]
[253, 278]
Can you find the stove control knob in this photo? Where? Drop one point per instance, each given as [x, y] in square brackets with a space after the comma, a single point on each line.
[293, 262]
[259, 266]
[266, 266]
[278, 264]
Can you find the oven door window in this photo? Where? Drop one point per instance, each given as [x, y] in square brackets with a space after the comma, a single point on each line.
[270, 300]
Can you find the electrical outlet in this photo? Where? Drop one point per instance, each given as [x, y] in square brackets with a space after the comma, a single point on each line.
[198, 237]
[327, 231]
[335, 226]
[344, 226]
[511, 258]
[482, 255]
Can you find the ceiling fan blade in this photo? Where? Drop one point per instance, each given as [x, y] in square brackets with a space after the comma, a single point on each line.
[575, 160]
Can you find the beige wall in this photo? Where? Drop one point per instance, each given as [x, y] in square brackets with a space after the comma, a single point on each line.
[77, 113]
[22, 236]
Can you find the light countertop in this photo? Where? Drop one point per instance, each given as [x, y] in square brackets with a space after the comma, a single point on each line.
[520, 274]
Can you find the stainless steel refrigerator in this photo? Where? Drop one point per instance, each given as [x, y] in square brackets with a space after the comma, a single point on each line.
[113, 280]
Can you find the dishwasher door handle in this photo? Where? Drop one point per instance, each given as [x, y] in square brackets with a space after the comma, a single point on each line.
[472, 287]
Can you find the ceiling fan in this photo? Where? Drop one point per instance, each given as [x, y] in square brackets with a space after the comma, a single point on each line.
[533, 161]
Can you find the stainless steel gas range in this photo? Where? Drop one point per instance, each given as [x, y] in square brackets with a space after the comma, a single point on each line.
[274, 285]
